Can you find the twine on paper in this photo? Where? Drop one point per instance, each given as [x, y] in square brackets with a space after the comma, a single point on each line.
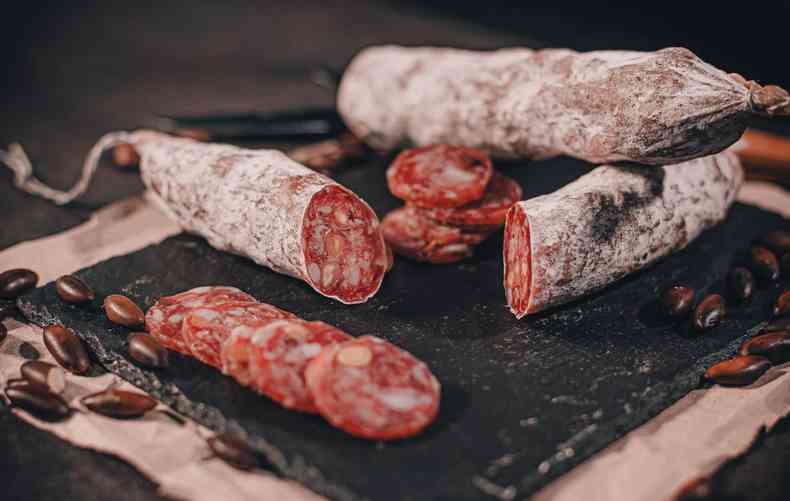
[17, 160]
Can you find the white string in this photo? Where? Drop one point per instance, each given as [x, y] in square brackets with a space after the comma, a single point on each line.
[17, 160]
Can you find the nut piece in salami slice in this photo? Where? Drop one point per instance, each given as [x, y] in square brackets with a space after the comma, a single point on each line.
[164, 319]
[206, 328]
[280, 353]
[487, 213]
[373, 389]
[440, 175]
[413, 235]
[344, 253]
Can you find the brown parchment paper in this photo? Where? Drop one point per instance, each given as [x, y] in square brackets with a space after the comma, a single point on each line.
[693, 436]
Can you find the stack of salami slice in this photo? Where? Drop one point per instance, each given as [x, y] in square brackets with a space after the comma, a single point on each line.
[365, 386]
[454, 201]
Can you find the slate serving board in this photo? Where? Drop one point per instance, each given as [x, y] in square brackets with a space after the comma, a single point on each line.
[522, 401]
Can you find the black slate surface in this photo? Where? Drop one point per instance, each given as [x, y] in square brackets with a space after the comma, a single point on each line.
[522, 402]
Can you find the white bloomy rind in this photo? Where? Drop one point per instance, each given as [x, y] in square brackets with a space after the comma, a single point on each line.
[659, 108]
[614, 221]
[248, 202]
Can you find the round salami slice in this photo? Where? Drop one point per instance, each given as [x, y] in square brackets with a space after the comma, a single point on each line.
[206, 328]
[373, 389]
[279, 356]
[439, 175]
[487, 213]
[413, 235]
[236, 351]
[164, 319]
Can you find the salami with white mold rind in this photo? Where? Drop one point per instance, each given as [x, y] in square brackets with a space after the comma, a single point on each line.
[263, 205]
[609, 223]
[656, 108]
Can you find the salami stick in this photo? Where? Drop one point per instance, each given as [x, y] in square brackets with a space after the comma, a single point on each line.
[655, 108]
[608, 223]
[263, 205]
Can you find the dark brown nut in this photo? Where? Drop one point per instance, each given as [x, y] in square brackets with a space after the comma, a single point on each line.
[119, 403]
[16, 282]
[122, 310]
[73, 290]
[738, 371]
[17, 382]
[38, 401]
[677, 300]
[774, 346]
[67, 349]
[696, 489]
[44, 375]
[8, 310]
[28, 351]
[233, 451]
[709, 312]
[778, 241]
[782, 305]
[741, 283]
[124, 155]
[147, 351]
[764, 263]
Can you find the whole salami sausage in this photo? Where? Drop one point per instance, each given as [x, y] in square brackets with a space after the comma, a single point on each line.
[609, 223]
[605, 106]
[262, 205]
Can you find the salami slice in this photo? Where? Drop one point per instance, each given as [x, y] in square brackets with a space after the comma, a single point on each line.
[236, 351]
[263, 205]
[439, 175]
[164, 319]
[489, 212]
[373, 389]
[658, 108]
[610, 222]
[280, 353]
[413, 235]
[206, 328]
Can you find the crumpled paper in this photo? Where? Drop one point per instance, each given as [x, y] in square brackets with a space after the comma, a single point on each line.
[690, 438]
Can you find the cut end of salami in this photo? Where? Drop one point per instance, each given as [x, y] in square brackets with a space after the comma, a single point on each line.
[518, 262]
[440, 175]
[373, 389]
[345, 255]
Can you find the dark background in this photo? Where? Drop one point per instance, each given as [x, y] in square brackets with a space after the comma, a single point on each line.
[74, 72]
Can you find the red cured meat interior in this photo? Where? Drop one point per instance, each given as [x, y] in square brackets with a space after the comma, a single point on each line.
[344, 250]
[518, 261]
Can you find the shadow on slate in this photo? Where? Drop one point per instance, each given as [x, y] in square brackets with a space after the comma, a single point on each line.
[522, 401]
